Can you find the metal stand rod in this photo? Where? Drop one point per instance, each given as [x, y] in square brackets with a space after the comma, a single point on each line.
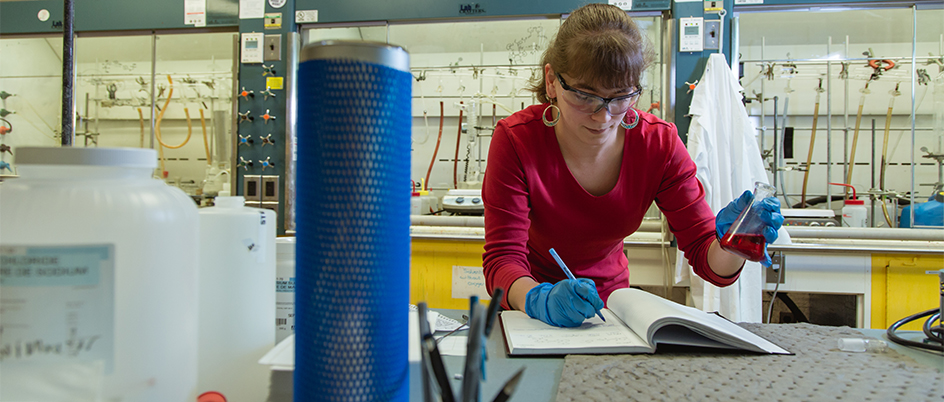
[68, 74]
[872, 198]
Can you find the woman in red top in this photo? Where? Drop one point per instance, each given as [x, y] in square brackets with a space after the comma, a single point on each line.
[578, 172]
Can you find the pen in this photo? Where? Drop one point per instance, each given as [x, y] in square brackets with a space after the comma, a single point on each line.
[439, 369]
[424, 353]
[474, 365]
[570, 275]
[493, 310]
[509, 387]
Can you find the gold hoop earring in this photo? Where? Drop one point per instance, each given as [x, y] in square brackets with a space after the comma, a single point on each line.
[550, 123]
[629, 126]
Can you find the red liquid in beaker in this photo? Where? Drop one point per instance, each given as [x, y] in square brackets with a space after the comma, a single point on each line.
[749, 246]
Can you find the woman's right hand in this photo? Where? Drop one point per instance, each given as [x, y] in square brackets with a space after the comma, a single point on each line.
[565, 304]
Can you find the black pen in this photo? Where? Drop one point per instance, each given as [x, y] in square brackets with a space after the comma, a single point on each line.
[509, 387]
[493, 310]
[425, 371]
[439, 369]
[472, 374]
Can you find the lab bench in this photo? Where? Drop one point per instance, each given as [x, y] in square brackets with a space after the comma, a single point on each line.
[883, 268]
[542, 375]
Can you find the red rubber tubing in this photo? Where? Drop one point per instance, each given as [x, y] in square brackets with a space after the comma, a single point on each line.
[435, 151]
[455, 162]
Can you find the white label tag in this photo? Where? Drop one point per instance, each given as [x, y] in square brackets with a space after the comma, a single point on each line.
[195, 13]
[468, 281]
[251, 9]
[57, 304]
[261, 240]
[303, 16]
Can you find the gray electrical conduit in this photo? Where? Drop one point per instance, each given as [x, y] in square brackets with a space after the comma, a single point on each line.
[783, 136]
[796, 232]
[806, 238]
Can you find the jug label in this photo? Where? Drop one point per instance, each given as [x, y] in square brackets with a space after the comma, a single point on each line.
[57, 304]
[284, 307]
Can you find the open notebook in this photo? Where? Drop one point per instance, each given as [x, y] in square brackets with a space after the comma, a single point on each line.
[636, 322]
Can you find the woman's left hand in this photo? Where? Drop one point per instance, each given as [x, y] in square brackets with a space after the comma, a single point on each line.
[768, 212]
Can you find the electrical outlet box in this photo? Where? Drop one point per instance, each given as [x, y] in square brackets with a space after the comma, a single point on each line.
[712, 34]
[252, 188]
[774, 271]
[270, 188]
[273, 47]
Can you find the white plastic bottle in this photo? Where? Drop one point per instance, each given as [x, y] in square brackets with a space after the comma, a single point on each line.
[98, 279]
[237, 273]
[854, 214]
[859, 345]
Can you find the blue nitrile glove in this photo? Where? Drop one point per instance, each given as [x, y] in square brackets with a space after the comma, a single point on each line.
[565, 304]
[769, 214]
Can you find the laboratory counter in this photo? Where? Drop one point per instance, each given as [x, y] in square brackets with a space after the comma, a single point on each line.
[853, 374]
[542, 375]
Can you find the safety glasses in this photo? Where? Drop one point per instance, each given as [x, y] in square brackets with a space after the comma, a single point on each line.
[590, 103]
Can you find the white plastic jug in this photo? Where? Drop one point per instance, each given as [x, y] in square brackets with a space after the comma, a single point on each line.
[237, 295]
[98, 281]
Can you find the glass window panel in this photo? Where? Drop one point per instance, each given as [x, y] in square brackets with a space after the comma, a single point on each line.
[31, 87]
[481, 68]
[842, 59]
[196, 119]
[372, 33]
[108, 91]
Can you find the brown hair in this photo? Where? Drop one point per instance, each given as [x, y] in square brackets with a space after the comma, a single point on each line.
[601, 45]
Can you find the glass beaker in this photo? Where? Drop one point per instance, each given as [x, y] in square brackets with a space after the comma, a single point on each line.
[745, 237]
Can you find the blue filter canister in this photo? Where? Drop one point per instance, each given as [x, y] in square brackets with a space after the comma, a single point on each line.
[352, 222]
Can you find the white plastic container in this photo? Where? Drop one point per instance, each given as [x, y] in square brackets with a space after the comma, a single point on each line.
[284, 288]
[98, 259]
[237, 270]
[854, 214]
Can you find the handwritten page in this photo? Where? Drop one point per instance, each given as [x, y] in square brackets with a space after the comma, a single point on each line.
[594, 336]
[453, 345]
[439, 322]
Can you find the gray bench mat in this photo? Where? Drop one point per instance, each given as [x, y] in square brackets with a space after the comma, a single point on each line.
[818, 371]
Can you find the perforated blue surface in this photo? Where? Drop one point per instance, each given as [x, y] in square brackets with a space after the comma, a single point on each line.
[352, 264]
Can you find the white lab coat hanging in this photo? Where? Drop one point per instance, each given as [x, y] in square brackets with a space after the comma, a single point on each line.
[723, 143]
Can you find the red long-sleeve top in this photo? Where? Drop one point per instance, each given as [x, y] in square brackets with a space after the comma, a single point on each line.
[533, 203]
